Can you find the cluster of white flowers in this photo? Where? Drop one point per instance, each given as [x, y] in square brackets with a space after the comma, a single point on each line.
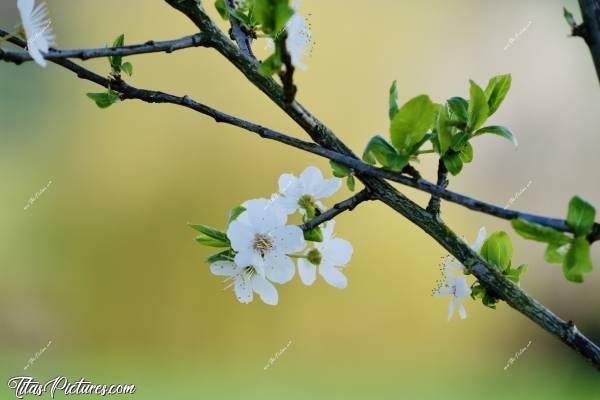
[37, 29]
[265, 245]
[454, 282]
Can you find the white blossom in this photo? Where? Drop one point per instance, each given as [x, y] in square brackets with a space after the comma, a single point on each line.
[329, 256]
[298, 37]
[263, 241]
[306, 190]
[245, 282]
[37, 29]
[454, 282]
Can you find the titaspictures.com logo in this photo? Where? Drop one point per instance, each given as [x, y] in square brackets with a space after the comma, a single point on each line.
[25, 386]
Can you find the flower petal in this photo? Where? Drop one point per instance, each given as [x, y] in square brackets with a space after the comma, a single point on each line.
[450, 308]
[310, 179]
[337, 252]
[462, 312]
[279, 268]
[288, 239]
[462, 287]
[263, 214]
[224, 268]
[307, 271]
[266, 290]
[240, 235]
[243, 289]
[333, 276]
[480, 239]
[327, 188]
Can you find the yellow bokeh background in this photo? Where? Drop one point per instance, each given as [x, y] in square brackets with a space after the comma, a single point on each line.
[103, 264]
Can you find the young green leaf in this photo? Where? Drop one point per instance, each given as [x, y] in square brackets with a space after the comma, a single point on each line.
[393, 108]
[444, 130]
[211, 232]
[497, 250]
[459, 140]
[116, 61]
[466, 153]
[577, 260]
[127, 67]
[478, 111]
[226, 255]
[514, 274]
[105, 99]
[555, 253]
[379, 150]
[496, 91]
[500, 131]
[453, 162]
[234, 213]
[272, 64]
[539, 233]
[350, 183]
[339, 170]
[569, 18]
[411, 123]
[272, 15]
[581, 216]
[459, 108]
[211, 242]
[222, 9]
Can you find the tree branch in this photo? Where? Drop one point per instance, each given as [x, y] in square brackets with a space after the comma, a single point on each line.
[346, 205]
[590, 29]
[243, 40]
[381, 189]
[151, 46]
[442, 181]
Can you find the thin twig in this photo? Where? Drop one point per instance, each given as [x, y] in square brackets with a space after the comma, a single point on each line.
[347, 205]
[167, 46]
[243, 39]
[442, 181]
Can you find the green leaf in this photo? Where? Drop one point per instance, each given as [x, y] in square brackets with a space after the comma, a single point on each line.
[514, 274]
[497, 250]
[340, 170]
[555, 253]
[116, 61]
[379, 150]
[500, 131]
[105, 99]
[459, 108]
[581, 216]
[222, 9]
[351, 183]
[208, 241]
[234, 213]
[271, 65]
[272, 15]
[577, 260]
[478, 111]
[539, 233]
[466, 153]
[393, 108]
[453, 162]
[444, 130]
[314, 235]
[211, 232]
[127, 68]
[411, 123]
[226, 255]
[496, 91]
[459, 140]
[569, 18]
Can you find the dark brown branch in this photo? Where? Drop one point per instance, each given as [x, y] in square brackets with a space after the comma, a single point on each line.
[242, 38]
[168, 46]
[346, 205]
[442, 181]
[589, 30]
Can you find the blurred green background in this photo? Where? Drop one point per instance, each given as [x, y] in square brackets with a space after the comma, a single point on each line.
[104, 266]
